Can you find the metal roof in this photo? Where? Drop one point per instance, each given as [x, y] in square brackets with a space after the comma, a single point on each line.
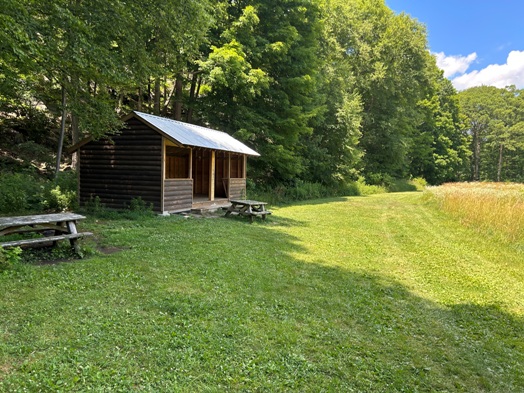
[193, 135]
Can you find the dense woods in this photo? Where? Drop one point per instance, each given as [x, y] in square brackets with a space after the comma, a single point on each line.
[326, 90]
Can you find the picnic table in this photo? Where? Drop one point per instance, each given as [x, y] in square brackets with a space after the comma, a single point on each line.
[53, 227]
[249, 208]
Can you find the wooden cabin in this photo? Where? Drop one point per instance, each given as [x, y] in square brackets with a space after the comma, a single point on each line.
[175, 166]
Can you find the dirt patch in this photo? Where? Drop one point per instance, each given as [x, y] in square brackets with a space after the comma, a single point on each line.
[111, 250]
[5, 369]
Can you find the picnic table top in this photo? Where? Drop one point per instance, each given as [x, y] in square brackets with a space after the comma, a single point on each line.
[39, 219]
[247, 202]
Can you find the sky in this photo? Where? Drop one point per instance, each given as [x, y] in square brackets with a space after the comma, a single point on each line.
[476, 42]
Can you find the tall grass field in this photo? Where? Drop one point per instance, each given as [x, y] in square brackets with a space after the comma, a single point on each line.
[492, 208]
[380, 293]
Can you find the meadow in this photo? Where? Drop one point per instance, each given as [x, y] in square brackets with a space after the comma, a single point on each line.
[496, 209]
[383, 293]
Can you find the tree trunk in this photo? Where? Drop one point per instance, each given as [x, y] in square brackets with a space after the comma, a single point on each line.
[157, 96]
[139, 102]
[62, 132]
[476, 154]
[499, 165]
[75, 135]
[149, 96]
[178, 98]
[192, 92]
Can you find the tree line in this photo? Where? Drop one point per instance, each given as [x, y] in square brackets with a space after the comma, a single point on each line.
[326, 90]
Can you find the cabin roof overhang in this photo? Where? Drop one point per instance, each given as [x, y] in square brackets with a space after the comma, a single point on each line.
[185, 134]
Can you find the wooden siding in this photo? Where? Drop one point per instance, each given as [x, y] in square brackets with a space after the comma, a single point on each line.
[127, 168]
[237, 188]
[178, 195]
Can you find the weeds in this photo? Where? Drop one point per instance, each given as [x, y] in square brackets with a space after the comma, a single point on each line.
[492, 208]
[301, 191]
[9, 258]
[28, 192]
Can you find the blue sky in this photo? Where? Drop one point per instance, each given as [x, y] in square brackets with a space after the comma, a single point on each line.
[476, 42]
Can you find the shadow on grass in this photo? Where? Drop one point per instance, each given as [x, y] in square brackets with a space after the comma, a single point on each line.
[211, 305]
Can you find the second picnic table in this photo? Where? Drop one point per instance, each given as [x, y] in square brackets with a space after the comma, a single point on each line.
[249, 208]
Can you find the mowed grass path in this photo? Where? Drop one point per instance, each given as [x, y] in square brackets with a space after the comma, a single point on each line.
[370, 294]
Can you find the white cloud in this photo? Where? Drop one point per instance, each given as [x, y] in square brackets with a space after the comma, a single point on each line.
[452, 65]
[498, 75]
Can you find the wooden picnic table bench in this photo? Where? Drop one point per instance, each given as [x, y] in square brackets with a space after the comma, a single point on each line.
[249, 208]
[53, 227]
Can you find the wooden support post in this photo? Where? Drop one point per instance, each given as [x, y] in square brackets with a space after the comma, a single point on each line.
[212, 177]
[191, 163]
[163, 174]
[228, 174]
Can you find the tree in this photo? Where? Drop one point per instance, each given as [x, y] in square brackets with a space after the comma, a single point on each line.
[332, 152]
[80, 59]
[260, 81]
[496, 120]
[388, 59]
[439, 150]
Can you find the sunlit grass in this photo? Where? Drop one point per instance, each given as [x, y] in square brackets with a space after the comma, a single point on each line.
[493, 208]
[366, 294]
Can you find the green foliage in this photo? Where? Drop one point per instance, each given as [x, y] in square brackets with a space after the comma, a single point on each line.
[94, 206]
[141, 207]
[136, 210]
[325, 90]
[9, 258]
[369, 189]
[28, 192]
[19, 192]
[420, 183]
[439, 149]
[388, 60]
[496, 123]
[304, 191]
[61, 193]
[260, 81]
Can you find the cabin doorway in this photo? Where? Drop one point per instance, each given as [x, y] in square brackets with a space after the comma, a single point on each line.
[201, 173]
[221, 174]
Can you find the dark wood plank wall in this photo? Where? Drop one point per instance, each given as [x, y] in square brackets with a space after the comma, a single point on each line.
[127, 169]
[237, 188]
[178, 194]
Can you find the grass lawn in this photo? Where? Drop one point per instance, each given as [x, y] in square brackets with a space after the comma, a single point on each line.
[364, 294]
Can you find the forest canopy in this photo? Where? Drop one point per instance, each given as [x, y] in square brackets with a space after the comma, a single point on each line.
[326, 90]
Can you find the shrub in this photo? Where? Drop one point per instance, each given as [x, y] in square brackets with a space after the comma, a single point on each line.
[61, 193]
[18, 192]
[28, 192]
[368, 189]
[9, 258]
[94, 206]
[401, 185]
[139, 208]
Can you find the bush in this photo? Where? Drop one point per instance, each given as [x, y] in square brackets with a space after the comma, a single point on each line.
[19, 192]
[368, 189]
[401, 185]
[9, 258]
[61, 193]
[27, 192]
[301, 191]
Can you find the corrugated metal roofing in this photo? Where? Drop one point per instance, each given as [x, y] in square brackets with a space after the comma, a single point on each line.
[193, 135]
